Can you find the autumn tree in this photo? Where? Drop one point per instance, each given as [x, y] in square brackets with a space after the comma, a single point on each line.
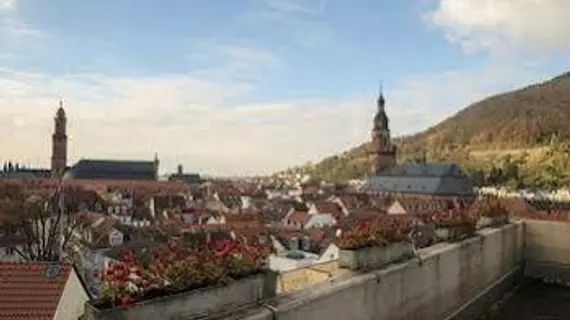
[43, 222]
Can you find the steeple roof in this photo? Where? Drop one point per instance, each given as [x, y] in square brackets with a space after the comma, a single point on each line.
[381, 119]
[381, 102]
[60, 111]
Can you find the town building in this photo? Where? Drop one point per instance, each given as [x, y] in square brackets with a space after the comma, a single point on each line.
[41, 290]
[386, 176]
[113, 170]
[187, 178]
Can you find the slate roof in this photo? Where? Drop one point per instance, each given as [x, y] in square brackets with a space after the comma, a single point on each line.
[28, 292]
[112, 169]
[17, 175]
[25, 173]
[188, 178]
[433, 178]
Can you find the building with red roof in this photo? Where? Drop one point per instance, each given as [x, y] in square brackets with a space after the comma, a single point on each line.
[41, 291]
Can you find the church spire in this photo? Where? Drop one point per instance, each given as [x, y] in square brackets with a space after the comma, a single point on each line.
[382, 152]
[381, 119]
[381, 101]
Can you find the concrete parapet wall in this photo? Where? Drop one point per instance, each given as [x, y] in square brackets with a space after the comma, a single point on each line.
[547, 250]
[441, 285]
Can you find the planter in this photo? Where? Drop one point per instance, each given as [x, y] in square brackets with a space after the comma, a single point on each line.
[455, 233]
[374, 257]
[196, 303]
[495, 221]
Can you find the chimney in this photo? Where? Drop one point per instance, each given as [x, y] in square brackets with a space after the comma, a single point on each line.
[180, 169]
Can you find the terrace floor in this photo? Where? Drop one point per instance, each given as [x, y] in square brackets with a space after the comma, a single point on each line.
[535, 301]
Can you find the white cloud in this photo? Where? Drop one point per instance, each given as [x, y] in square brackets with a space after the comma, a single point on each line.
[299, 21]
[12, 26]
[246, 57]
[297, 6]
[237, 62]
[540, 26]
[8, 5]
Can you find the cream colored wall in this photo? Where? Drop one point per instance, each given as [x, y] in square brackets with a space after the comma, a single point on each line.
[72, 300]
[299, 279]
[396, 208]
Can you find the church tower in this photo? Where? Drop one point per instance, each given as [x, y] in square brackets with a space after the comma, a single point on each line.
[382, 152]
[59, 144]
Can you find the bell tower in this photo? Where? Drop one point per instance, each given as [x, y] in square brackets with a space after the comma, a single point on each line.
[382, 152]
[59, 144]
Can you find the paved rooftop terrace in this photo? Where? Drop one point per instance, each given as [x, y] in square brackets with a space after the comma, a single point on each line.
[535, 301]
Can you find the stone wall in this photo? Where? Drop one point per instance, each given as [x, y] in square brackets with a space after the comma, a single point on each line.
[445, 283]
[547, 250]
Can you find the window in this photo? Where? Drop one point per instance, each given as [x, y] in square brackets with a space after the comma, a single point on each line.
[115, 239]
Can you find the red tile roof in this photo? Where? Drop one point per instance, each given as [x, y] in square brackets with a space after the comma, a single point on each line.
[26, 292]
[329, 207]
[243, 217]
[299, 217]
[355, 200]
[46, 186]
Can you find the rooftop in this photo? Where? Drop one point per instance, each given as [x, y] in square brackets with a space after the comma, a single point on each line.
[31, 290]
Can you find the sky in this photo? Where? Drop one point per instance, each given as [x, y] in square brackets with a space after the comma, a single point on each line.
[241, 87]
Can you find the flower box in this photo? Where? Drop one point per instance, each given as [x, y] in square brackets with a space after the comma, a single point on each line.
[374, 257]
[495, 221]
[193, 304]
[452, 233]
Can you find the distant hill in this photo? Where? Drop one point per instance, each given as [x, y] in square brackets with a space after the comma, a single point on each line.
[528, 127]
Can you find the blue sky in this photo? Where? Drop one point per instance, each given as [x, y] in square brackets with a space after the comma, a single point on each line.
[251, 86]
